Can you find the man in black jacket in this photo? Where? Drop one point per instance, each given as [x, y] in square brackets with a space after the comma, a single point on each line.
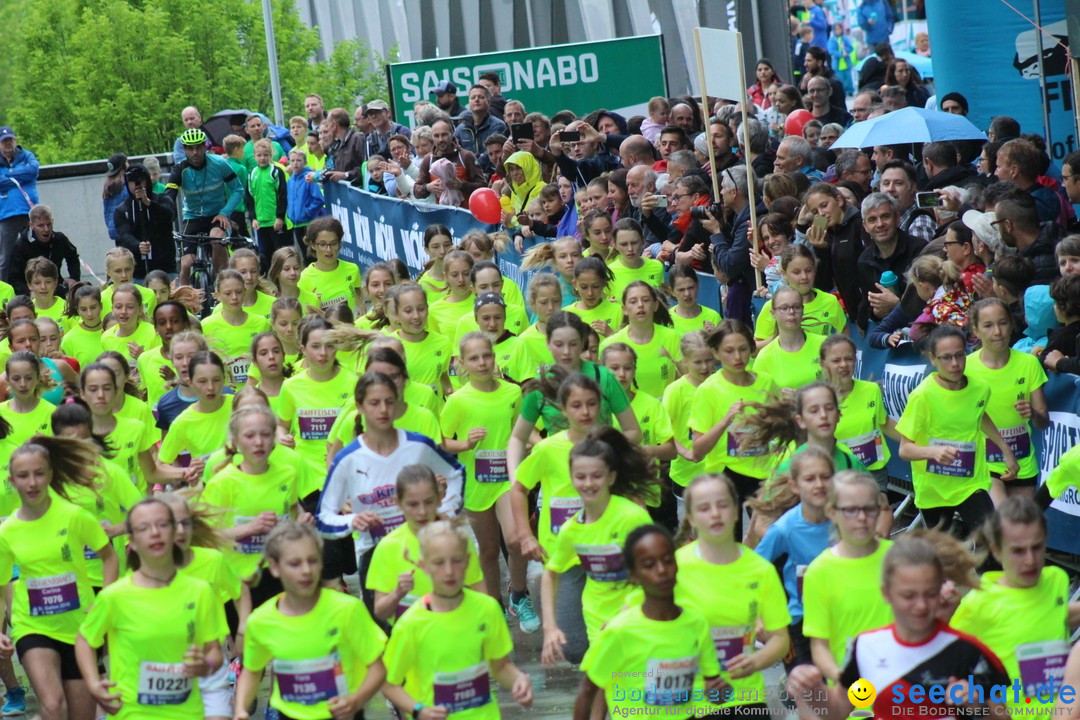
[889, 249]
[144, 225]
[40, 240]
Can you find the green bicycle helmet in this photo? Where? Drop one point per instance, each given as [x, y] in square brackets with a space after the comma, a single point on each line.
[193, 136]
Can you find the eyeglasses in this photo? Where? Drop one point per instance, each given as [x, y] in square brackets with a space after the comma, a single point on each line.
[679, 196]
[955, 357]
[853, 511]
[160, 527]
[788, 309]
[327, 245]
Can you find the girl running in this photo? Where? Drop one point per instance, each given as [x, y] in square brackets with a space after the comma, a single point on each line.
[697, 365]
[133, 334]
[25, 411]
[82, 331]
[324, 648]
[426, 353]
[230, 331]
[152, 664]
[792, 359]
[657, 654]
[155, 369]
[648, 331]
[561, 255]
[592, 281]
[734, 589]
[822, 314]
[329, 280]
[25, 335]
[120, 270]
[258, 297]
[483, 247]
[596, 230]
[378, 279]
[201, 428]
[130, 447]
[438, 241]
[446, 648]
[285, 268]
[688, 315]
[656, 435]
[448, 310]
[628, 266]
[486, 279]
[184, 346]
[531, 351]
[285, 316]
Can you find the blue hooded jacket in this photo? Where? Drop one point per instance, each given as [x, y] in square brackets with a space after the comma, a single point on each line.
[305, 199]
[23, 169]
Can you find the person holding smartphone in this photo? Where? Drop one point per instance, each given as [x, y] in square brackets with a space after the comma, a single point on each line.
[144, 225]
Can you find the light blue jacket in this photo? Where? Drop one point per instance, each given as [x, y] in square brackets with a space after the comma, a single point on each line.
[23, 169]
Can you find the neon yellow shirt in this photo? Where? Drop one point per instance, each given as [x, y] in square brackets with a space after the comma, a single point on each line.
[25, 425]
[415, 419]
[261, 307]
[241, 497]
[651, 272]
[129, 440]
[82, 344]
[53, 592]
[688, 325]
[656, 368]
[608, 311]
[733, 599]
[935, 416]
[150, 364]
[331, 288]
[791, 369]
[821, 316]
[428, 359]
[842, 598]
[516, 322]
[1027, 628]
[1021, 376]
[399, 552]
[108, 501]
[316, 656]
[54, 311]
[597, 546]
[138, 410]
[149, 300]
[144, 335]
[711, 403]
[678, 400]
[434, 289]
[312, 406]
[442, 657]
[497, 411]
[195, 434]
[530, 354]
[233, 342]
[862, 418]
[147, 658]
[444, 315]
[548, 464]
[648, 667]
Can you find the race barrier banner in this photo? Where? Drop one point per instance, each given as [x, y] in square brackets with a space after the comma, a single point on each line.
[579, 76]
[379, 228]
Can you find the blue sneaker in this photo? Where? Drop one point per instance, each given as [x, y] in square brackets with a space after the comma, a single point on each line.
[14, 702]
[526, 614]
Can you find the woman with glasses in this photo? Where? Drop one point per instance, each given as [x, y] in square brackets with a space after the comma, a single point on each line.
[943, 433]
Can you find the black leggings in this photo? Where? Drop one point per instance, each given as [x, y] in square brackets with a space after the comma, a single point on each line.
[972, 511]
[746, 486]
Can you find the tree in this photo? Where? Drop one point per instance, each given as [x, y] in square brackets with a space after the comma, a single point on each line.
[94, 77]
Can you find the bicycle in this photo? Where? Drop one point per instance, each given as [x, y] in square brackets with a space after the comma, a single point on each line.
[202, 272]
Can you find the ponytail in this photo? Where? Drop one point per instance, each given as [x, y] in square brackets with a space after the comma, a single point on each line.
[73, 461]
[635, 473]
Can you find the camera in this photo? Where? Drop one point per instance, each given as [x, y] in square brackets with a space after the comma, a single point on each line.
[701, 212]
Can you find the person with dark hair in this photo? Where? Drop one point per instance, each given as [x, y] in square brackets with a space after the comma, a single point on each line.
[903, 75]
[467, 174]
[817, 65]
[954, 103]
[1062, 352]
[1020, 162]
[478, 123]
[894, 98]
[1070, 176]
[872, 75]
[493, 82]
[1018, 223]
[941, 162]
[890, 250]
[348, 151]
[1002, 129]
[854, 166]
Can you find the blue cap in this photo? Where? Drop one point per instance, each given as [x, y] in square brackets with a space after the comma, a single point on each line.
[6, 132]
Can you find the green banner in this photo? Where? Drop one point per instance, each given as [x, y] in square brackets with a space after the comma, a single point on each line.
[619, 75]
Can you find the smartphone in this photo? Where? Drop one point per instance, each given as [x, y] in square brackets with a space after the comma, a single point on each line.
[567, 136]
[661, 200]
[928, 200]
[820, 221]
[521, 131]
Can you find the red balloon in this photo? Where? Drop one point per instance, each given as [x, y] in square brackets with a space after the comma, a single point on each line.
[796, 120]
[485, 207]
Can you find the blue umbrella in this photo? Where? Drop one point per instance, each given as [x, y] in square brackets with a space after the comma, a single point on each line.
[923, 64]
[910, 125]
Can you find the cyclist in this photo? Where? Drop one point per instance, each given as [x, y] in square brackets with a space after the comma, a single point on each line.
[211, 193]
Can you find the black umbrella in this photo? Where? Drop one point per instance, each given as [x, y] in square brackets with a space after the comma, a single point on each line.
[221, 124]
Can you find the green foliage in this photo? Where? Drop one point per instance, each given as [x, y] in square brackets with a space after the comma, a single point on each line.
[88, 78]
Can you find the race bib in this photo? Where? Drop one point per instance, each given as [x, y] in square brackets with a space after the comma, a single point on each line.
[729, 642]
[52, 595]
[964, 464]
[670, 682]
[391, 518]
[869, 448]
[252, 544]
[602, 563]
[1042, 667]
[1018, 439]
[163, 683]
[315, 423]
[734, 445]
[562, 509]
[332, 302]
[239, 368]
[463, 690]
[491, 466]
[307, 682]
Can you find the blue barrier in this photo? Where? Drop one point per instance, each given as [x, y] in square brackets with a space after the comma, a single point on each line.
[380, 228]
